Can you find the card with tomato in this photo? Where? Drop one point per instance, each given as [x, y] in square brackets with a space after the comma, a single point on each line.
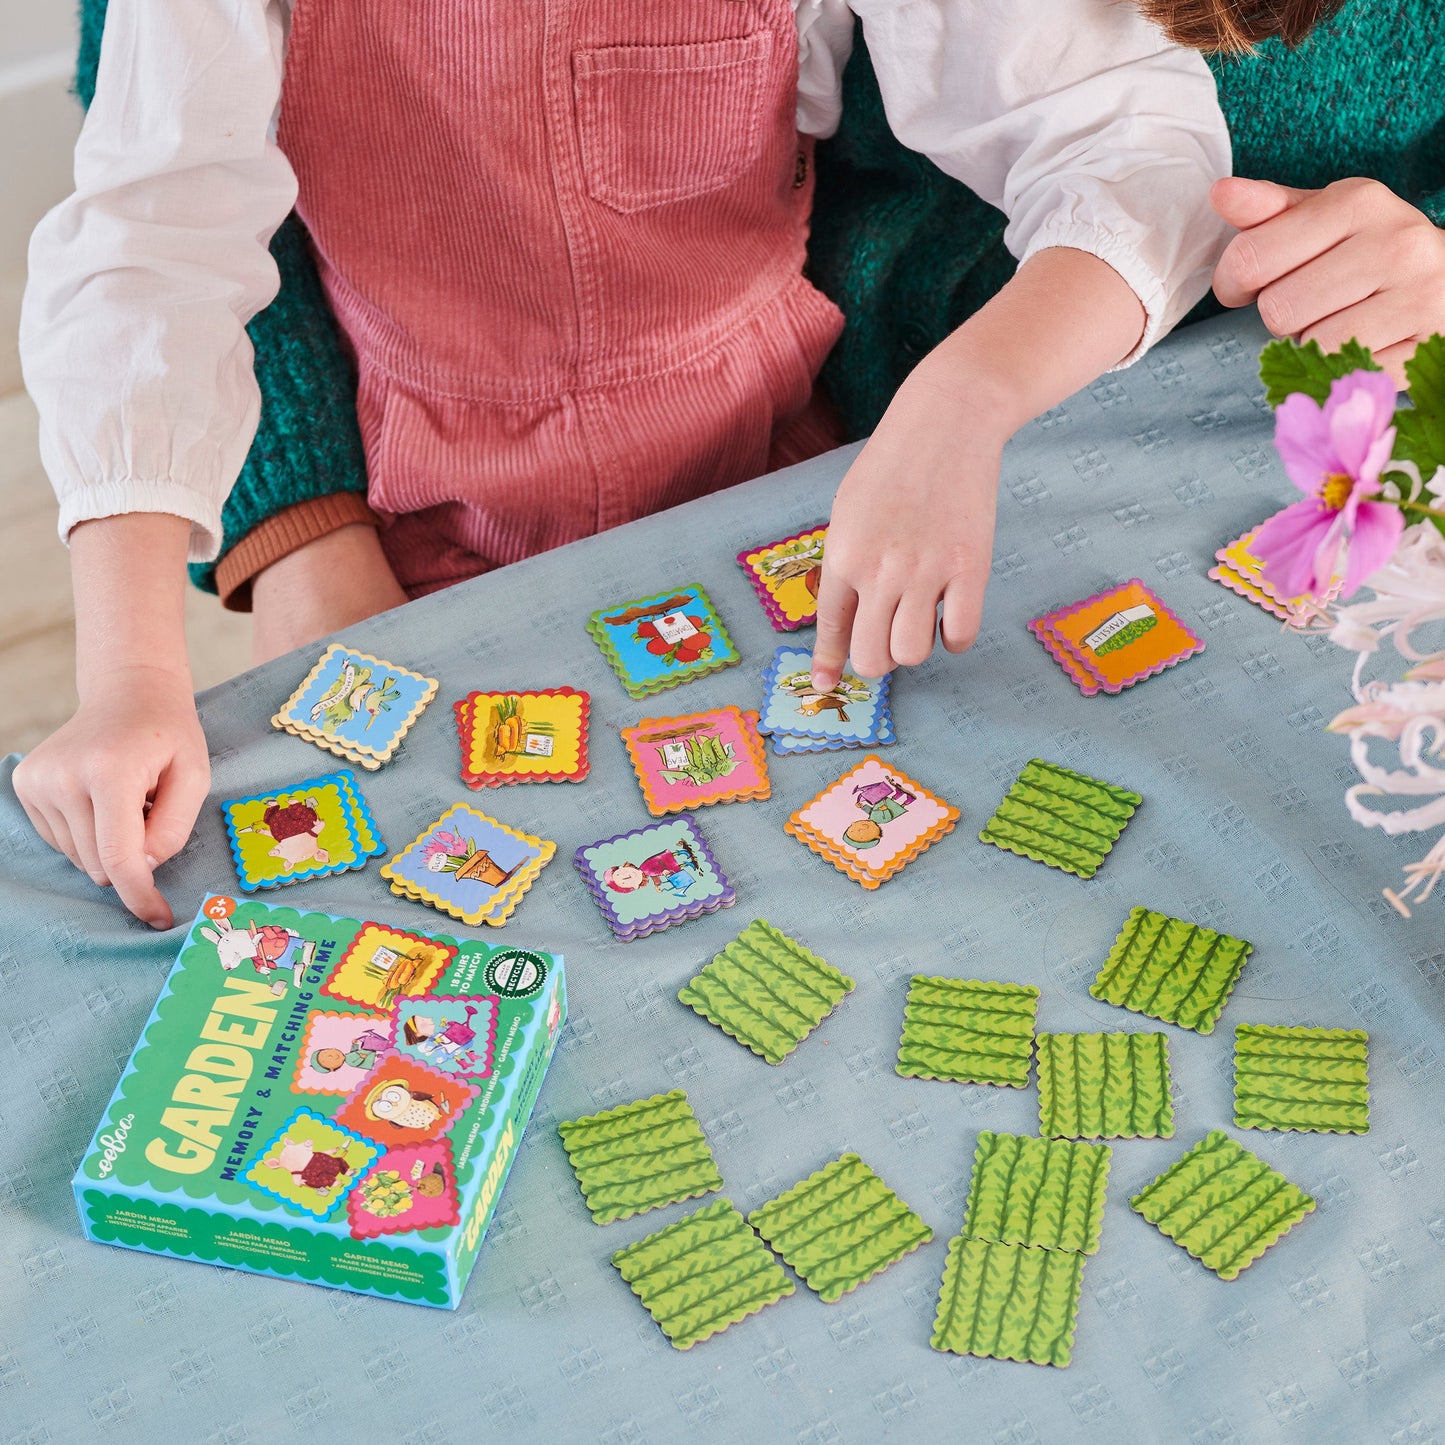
[658, 642]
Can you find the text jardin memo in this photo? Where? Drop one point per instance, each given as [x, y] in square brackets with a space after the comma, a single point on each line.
[325, 1099]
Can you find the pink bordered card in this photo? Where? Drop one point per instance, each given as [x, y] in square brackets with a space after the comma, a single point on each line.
[338, 1050]
[703, 757]
[1239, 569]
[455, 1033]
[872, 822]
[523, 737]
[786, 576]
[412, 1186]
[1116, 638]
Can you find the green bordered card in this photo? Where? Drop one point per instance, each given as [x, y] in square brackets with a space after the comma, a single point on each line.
[968, 1031]
[1302, 1079]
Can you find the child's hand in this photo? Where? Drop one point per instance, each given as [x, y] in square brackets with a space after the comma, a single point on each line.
[1352, 260]
[330, 583]
[912, 528]
[117, 789]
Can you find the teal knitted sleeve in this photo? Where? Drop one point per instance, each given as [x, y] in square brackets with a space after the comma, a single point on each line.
[909, 254]
[307, 443]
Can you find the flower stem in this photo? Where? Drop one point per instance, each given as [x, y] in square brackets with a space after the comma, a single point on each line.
[1423, 510]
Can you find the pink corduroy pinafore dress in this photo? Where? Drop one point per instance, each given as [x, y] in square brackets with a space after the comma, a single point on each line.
[565, 239]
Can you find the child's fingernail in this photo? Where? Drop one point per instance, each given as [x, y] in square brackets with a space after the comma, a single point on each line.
[159, 924]
[152, 863]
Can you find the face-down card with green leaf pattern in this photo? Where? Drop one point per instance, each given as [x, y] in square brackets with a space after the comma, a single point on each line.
[1008, 1302]
[640, 1156]
[1222, 1204]
[1043, 1193]
[767, 991]
[1057, 816]
[839, 1227]
[968, 1031]
[702, 1274]
[1105, 1086]
[1177, 972]
[1301, 1079]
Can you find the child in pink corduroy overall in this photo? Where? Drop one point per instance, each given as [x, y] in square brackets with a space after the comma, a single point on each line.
[565, 240]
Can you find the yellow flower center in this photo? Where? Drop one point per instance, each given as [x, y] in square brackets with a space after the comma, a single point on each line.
[1336, 490]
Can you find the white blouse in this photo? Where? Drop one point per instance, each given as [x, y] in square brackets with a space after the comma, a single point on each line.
[1073, 117]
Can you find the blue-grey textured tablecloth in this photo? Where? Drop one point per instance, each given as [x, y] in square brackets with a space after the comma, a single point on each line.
[1338, 1333]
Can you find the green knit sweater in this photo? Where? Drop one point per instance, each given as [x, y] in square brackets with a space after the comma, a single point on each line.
[907, 253]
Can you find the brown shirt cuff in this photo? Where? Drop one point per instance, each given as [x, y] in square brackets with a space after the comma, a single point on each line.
[280, 535]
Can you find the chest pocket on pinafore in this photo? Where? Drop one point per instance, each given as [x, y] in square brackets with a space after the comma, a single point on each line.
[665, 123]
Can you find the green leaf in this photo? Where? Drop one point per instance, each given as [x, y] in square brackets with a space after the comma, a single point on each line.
[1286, 367]
[1420, 427]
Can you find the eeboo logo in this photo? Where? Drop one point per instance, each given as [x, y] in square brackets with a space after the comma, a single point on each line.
[113, 1145]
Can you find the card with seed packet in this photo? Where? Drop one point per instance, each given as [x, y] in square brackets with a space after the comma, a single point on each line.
[705, 757]
[662, 641]
[312, 828]
[523, 737]
[469, 866]
[801, 718]
[654, 877]
[356, 705]
[786, 575]
[1116, 638]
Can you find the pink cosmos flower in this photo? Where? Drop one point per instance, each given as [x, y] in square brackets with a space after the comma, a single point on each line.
[1334, 454]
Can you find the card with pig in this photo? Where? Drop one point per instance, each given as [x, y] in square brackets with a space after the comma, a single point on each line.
[315, 827]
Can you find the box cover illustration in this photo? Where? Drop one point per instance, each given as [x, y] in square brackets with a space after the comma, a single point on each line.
[325, 1099]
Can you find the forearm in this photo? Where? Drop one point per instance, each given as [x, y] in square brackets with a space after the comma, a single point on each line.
[128, 577]
[1064, 319]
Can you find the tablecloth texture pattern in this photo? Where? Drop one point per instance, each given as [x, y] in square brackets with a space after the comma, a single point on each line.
[1338, 1333]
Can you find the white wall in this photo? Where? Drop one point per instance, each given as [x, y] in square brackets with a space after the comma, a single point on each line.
[39, 121]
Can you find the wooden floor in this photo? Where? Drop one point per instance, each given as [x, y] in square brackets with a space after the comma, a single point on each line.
[37, 624]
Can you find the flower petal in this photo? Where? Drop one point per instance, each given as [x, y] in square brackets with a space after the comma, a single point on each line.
[1286, 545]
[1302, 439]
[1360, 407]
[1372, 542]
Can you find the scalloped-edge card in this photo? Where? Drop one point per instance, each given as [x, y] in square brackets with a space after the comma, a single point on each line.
[405, 1101]
[661, 641]
[412, 1186]
[1222, 1204]
[639, 1156]
[702, 1274]
[1297, 1078]
[312, 828]
[469, 865]
[872, 822]
[1044, 1193]
[854, 713]
[1008, 1302]
[523, 737]
[1240, 570]
[968, 1031]
[355, 705]
[338, 1050]
[1121, 636]
[310, 1162]
[455, 1033]
[1105, 1086]
[383, 964]
[786, 576]
[1064, 819]
[839, 1227]
[654, 877]
[698, 759]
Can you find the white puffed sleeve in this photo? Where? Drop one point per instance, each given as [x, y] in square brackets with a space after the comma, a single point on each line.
[1077, 119]
[132, 335]
[825, 41]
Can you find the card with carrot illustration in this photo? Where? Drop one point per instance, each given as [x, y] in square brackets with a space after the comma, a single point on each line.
[786, 575]
[659, 642]
[523, 737]
[705, 757]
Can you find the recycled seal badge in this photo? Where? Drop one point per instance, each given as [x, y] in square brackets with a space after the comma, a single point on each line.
[515, 973]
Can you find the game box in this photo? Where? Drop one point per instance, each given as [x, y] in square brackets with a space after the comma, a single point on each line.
[325, 1099]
